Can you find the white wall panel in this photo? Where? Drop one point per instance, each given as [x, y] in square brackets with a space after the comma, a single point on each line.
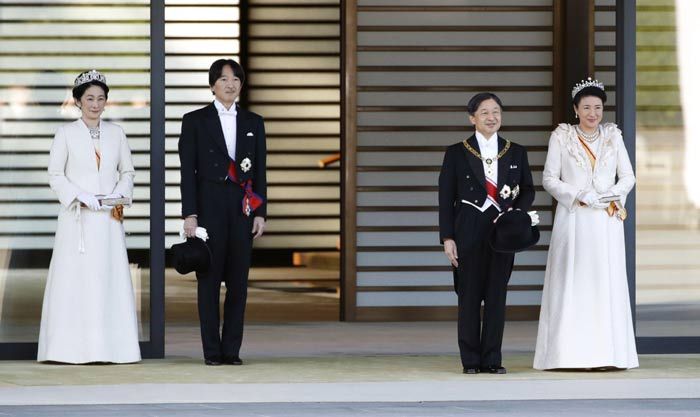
[45, 46]
[432, 278]
[455, 18]
[294, 82]
[400, 247]
[442, 138]
[498, 58]
[435, 298]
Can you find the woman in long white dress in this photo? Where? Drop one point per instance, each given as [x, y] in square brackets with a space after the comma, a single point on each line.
[89, 311]
[586, 319]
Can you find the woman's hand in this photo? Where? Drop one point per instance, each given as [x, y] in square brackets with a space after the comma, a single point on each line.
[89, 200]
[451, 251]
[589, 198]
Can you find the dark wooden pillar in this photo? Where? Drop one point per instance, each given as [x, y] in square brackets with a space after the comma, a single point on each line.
[626, 102]
[574, 49]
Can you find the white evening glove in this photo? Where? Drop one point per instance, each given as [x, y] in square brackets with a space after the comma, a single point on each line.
[589, 198]
[89, 200]
[200, 232]
[534, 218]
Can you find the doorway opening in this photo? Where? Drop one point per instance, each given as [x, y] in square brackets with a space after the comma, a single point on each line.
[291, 53]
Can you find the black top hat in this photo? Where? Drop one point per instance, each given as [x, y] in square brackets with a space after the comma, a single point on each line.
[513, 232]
[191, 255]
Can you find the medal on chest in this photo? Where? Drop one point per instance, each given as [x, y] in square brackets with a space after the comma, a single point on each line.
[489, 166]
[246, 165]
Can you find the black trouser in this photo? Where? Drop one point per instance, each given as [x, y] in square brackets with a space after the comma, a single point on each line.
[482, 276]
[230, 242]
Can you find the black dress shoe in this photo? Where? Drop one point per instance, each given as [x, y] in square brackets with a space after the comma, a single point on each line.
[235, 360]
[471, 370]
[212, 362]
[493, 369]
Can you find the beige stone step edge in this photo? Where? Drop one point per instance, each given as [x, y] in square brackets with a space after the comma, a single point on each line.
[473, 388]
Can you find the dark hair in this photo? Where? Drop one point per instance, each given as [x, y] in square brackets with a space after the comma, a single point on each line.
[588, 92]
[80, 90]
[218, 67]
[476, 101]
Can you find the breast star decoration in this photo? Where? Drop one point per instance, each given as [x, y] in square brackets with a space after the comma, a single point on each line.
[505, 192]
[246, 165]
[516, 191]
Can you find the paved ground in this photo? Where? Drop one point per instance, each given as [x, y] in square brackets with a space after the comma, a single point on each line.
[347, 369]
[578, 408]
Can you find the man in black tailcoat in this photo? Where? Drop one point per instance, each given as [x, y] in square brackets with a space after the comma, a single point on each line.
[481, 178]
[223, 186]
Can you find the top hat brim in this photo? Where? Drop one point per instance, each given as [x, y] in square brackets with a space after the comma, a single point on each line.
[512, 246]
[193, 255]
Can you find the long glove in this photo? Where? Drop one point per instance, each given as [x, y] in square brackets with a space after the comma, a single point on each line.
[591, 199]
[89, 200]
[588, 197]
[534, 218]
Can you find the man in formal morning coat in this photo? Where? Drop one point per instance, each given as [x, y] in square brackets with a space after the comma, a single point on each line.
[223, 186]
[481, 178]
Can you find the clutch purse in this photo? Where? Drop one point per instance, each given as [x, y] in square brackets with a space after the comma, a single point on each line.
[124, 201]
[117, 204]
[609, 199]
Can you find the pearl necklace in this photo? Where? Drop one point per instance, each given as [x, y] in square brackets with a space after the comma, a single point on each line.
[590, 138]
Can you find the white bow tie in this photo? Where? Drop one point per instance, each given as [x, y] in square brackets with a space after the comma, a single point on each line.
[227, 113]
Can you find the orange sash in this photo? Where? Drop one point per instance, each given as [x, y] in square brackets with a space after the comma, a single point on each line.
[589, 152]
[118, 210]
[612, 208]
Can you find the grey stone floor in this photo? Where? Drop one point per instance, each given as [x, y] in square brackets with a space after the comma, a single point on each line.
[571, 408]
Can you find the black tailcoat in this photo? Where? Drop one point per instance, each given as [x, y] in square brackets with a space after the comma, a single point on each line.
[217, 201]
[482, 274]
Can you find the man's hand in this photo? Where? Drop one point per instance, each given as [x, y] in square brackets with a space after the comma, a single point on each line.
[258, 227]
[451, 251]
[190, 226]
[534, 218]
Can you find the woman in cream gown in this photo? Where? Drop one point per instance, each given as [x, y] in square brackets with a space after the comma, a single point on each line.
[89, 312]
[585, 319]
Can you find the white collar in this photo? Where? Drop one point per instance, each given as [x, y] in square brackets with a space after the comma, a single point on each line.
[222, 109]
[490, 143]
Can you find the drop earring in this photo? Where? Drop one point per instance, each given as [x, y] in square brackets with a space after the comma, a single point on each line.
[576, 115]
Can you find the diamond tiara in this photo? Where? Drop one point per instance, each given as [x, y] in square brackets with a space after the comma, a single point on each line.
[86, 77]
[586, 83]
